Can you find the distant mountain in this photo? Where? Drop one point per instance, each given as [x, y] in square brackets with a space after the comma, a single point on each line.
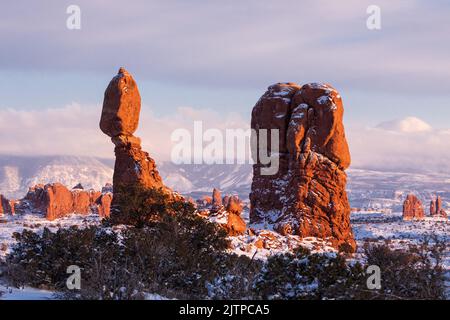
[367, 189]
[18, 173]
[382, 189]
[200, 178]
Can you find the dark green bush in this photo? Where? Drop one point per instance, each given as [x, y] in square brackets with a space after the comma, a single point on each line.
[173, 249]
[41, 260]
[139, 206]
[414, 273]
[168, 249]
[302, 275]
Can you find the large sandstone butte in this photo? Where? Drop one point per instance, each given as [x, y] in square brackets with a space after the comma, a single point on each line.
[306, 196]
[413, 208]
[119, 120]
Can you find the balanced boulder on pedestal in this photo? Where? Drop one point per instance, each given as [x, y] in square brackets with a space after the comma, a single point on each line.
[119, 120]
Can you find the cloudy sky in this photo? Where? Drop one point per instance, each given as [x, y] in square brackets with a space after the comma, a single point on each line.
[211, 60]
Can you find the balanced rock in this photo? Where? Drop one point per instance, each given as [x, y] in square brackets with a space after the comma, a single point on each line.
[412, 208]
[306, 194]
[119, 120]
[133, 166]
[121, 106]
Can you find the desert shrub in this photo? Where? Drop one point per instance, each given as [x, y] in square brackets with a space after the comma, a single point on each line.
[139, 206]
[302, 275]
[412, 273]
[174, 251]
[235, 279]
[168, 249]
[41, 259]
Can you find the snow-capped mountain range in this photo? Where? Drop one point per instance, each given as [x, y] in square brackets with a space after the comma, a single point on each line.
[367, 189]
[18, 173]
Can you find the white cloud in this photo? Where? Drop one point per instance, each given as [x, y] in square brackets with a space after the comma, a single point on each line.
[74, 130]
[406, 125]
[406, 144]
[402, 145]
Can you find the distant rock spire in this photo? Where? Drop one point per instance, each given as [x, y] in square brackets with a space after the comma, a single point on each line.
[412, 208]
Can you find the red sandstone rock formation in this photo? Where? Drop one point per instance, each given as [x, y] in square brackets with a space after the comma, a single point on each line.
[83, 200]
[234, 205]
[228, 217]
[436, 209]
[432, 208]
[438, 204]
[225, 200]
[104, 205]
[59, 201]
[412, 208]
[56, 201]
[206, 200]
[6, 207]
[119, 120]
[216, 200]
[306, 196]
[231, 222]
[12, 206]
[235, 225]
[121, 106]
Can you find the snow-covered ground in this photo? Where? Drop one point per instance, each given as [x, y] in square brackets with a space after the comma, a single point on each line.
[391, 226]
[380, 227]
[27, 293]
[376, 227]
[12, 224]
